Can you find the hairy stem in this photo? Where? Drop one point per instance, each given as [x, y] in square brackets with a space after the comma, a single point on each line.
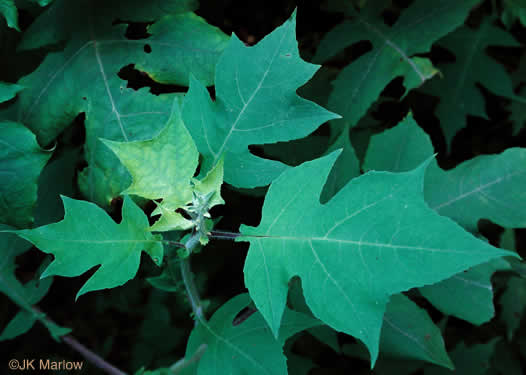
[188, 279]
[91, 357]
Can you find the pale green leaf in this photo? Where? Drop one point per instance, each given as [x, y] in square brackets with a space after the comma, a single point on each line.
[256, 104]
[247, 348]
[393, 50]
[408, 332]
[79, 245]
[163, 166]
[357, 249]
[83, 78]
[21, 161]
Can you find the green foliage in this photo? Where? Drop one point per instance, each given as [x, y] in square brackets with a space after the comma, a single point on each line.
[372, 211]
[388, 225]
[254, 105]
[80, 245]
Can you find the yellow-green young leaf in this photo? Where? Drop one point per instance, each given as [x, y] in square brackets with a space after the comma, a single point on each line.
[211, 184]
[393, 50]
[24, 295]
[245, 348]
[21, 161]
[88, 237]
[376, 237]
[161, 167]
[84, 77]
[256, 104]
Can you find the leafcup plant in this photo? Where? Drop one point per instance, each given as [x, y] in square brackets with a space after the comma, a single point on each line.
[362, 234]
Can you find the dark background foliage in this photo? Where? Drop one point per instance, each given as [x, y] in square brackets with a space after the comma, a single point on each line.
[116, 324]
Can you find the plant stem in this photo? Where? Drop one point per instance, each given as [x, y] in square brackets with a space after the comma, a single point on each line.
[174, 243]
[218, 234]
[188, 279]
[184, 363]
[91, 356]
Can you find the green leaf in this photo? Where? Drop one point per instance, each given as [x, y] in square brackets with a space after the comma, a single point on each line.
[467, 295]
[474, 360]
[408, 146]
[409, 333]
[398, 149]
[485, 187]
[247, 348]
[393, 50]
[21, 161]
[79, 245]
[24, 295]
[459, 95]
[63, 19]
[62, 87]
[347, 165]
[256, 104]
[513, 302]
[8, 10]
[163, 166]
[357, 249]
[8, 91]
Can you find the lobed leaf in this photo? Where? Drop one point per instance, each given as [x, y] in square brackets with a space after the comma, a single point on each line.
[81, 244]
[393, 50]
[247, 348]
[357, 249]
[83, 78]
[459, 95]
[256, 103]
